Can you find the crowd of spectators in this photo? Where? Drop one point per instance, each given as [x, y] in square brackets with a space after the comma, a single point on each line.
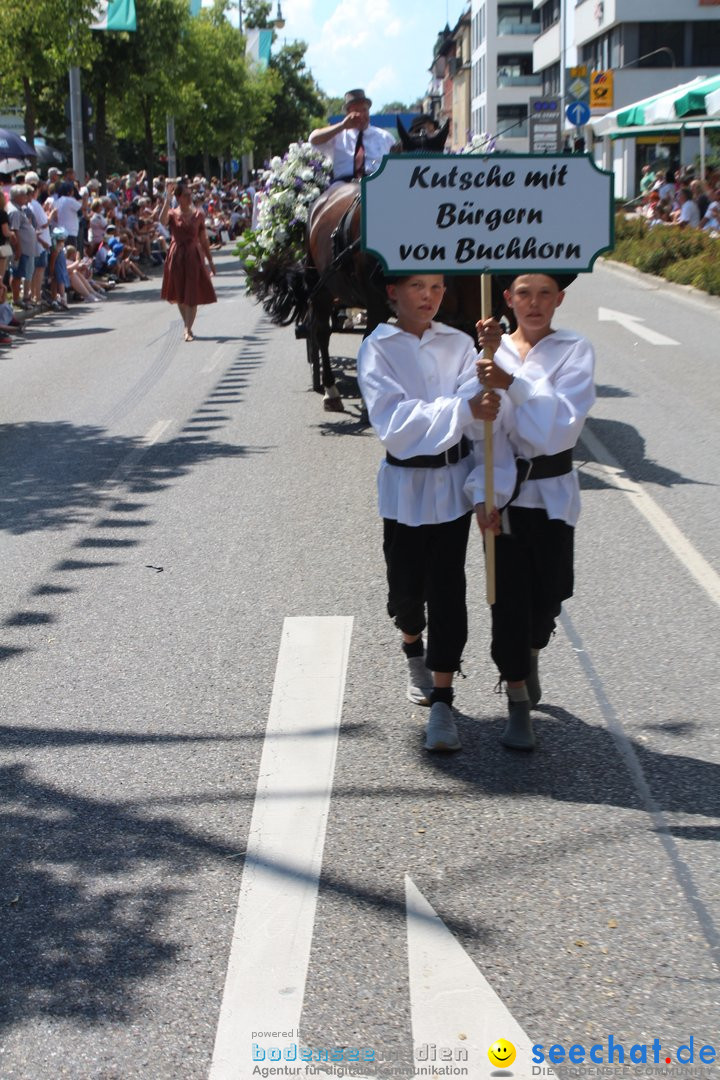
[677, 198]
[64, 243]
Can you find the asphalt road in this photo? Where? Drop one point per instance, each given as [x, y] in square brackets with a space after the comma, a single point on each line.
[164, 507]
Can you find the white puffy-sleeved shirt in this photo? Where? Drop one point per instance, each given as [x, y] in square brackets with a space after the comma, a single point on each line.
[542, 412]
[341, 148]
[416, 391]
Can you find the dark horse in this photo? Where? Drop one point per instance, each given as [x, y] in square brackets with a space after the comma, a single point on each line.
[338, 274]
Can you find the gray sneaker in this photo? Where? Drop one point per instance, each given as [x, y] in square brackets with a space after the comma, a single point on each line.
[420, 681]
[441, 732]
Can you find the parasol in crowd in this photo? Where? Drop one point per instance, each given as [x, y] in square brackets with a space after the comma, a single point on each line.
[14, 151]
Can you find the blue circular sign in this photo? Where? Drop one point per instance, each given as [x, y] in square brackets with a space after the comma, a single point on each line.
[578, 113]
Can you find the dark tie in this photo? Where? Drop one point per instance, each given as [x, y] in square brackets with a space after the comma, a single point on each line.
[359, 157]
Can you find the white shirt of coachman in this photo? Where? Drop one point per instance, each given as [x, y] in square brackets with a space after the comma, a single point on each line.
[376, 142]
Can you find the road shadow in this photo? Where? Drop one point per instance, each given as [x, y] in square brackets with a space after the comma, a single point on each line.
[52, 474]
[89, 885]
[627, 446]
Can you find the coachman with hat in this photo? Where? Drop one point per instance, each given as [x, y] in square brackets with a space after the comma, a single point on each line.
[355, 145]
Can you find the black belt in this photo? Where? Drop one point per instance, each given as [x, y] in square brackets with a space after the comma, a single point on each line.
[434, 461]
[542, 467]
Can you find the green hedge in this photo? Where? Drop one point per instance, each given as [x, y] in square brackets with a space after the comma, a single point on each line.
[686, 256]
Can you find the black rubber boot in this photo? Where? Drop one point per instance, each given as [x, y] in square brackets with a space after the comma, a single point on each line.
[518, 733]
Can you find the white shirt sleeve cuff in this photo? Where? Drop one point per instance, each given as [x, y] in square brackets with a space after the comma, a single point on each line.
[520, 390]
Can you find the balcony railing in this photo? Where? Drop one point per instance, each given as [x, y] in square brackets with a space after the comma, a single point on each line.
[519, 80]
[515, 26]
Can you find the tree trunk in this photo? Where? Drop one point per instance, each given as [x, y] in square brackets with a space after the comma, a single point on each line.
[101, 134]
[206, 164]
[29, 111]
[149, 162]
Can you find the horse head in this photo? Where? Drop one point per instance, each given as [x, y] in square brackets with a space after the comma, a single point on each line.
[421, 141]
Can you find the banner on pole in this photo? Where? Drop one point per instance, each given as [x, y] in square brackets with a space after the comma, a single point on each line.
[461, 213]
[258, 44]
[114, 15]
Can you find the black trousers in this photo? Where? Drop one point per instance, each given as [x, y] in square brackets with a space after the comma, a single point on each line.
[426, 568]
[533, 575]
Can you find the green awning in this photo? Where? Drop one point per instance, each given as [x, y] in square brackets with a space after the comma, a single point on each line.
[694, 100]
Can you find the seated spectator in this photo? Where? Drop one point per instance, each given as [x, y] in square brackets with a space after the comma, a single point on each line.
[9, 322]
[78, 281]
[699, 194]
[98, 222]
[710, 222]
[687, 216]
[59, 278]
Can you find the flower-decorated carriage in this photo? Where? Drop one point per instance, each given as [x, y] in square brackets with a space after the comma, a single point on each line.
[304, 261]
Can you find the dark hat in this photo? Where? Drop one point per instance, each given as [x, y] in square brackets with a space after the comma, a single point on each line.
[420, 121]
[563, 280]
[355, 97]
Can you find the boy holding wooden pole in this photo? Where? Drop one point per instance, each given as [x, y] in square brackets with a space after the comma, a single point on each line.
[546, 381]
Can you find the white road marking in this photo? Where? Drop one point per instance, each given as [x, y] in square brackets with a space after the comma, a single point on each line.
[270, 952]
[129, 462]
[213, 361]
[635, 326]
[613, 473]
[452, 1005]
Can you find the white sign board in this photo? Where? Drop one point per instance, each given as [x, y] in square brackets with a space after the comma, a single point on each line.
[461, 213]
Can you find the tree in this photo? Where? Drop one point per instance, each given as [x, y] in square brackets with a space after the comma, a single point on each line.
[39, 41]
[221, 101]
[395, 107]
[257, 14]
[298, 105]
[145, 68]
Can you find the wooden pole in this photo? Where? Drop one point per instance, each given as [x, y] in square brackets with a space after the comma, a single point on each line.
[489, 471]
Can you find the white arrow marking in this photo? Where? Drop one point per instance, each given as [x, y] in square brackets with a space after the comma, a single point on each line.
[270, 952]
[452, 1005]
[635, 326]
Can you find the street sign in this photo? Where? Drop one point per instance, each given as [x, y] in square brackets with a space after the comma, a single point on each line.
[499, 213]
[601, 90]
[577, 83]
[545, 114]
[578, 113]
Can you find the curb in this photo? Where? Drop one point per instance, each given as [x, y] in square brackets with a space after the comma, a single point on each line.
[685, 292]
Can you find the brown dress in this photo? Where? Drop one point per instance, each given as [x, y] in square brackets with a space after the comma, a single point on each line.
[186, 279]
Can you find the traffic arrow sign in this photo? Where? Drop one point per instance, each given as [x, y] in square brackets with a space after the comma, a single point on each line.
[635, 326]
[453, 1006]
[578, 113]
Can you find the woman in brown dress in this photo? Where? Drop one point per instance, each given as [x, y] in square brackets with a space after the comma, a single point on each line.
[186, 280]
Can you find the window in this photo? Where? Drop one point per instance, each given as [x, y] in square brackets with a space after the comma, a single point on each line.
[705, 44]
[662, 35]
[549, 15]
[551, 80]
[512, 121]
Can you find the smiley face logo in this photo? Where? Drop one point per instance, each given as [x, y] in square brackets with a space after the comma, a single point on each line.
[501, 1053]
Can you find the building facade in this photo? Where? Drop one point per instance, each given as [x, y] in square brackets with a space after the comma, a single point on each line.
[502, 38]
[649, 45]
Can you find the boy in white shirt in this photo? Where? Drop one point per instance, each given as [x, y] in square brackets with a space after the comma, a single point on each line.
[546, 379]
[419, 383]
